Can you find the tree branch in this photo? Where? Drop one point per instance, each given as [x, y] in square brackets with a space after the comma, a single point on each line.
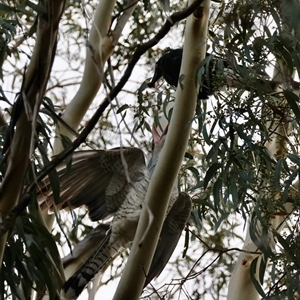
[169, 163]
[241, 285]
[100, 47]
[32, 92]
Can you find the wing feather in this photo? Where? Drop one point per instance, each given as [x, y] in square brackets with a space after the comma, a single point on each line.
[170, 234]
[98, 179]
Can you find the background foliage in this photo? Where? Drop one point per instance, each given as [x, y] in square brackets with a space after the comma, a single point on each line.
[228, 169]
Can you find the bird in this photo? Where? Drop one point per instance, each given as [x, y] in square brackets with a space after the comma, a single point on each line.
[114, 183]
[168, 67]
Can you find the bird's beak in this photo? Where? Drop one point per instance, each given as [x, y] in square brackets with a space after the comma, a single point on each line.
[156, 136]
[156, 76]
[165, 131]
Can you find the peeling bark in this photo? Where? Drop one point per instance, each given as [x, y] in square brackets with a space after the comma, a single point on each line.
[33, 89]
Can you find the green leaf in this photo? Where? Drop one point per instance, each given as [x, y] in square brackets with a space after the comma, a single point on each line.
[248, 178]
[159, 99]
[285, 245]
[219, 222]
[66, 141]
[194, 171]
[6, 8]
[234, 190]
[196, 217]
[213, 152]
[288, 182]
[262, 269]
[189, 156]
[293, 100]
[143, 86]
[217, 191]
[123, 107]
[277, 174]
[211, 173]
[253, 278]
[205, 134]
[39, 8]
[259, 231]
[294, 158]
[2, 57]
[186, 243]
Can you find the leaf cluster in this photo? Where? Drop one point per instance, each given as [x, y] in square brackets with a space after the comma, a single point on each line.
[228, 170]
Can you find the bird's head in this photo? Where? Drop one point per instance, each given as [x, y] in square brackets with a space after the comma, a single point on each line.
[168, 66]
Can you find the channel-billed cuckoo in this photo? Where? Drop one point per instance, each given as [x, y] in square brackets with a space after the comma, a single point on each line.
[216, 73]
[114, 183]
[168, 67]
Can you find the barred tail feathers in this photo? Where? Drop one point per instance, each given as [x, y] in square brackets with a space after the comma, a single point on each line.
[99, 260]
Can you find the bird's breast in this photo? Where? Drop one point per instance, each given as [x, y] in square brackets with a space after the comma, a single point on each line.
[125, 221]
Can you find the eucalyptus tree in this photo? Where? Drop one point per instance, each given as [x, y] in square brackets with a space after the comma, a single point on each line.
[75, 74]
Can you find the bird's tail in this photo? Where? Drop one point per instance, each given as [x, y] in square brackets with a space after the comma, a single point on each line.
[99, 260]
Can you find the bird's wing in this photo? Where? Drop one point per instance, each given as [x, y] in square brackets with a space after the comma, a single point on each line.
[98, 179]
[170, 234]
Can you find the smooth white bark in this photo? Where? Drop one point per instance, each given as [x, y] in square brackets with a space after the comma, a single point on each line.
[169, 163]
[100, 47]
[33, 90]
[241, 285]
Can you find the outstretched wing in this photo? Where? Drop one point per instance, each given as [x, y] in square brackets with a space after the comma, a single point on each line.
[98, 179]
[170, 234]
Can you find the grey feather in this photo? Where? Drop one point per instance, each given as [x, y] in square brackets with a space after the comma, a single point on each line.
[170, 234]
[98, 180]
[85, 247]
